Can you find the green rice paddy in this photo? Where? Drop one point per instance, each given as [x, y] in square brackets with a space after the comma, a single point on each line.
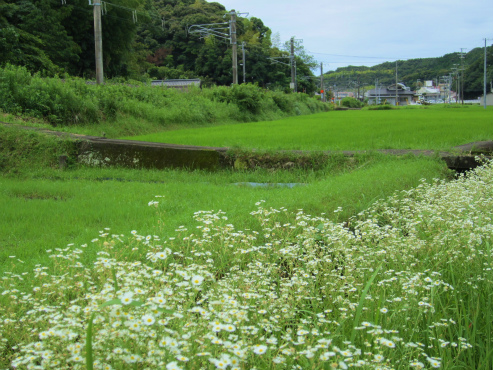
[434, 128]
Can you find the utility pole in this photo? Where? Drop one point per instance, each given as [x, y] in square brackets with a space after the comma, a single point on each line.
[322, 91]
[396, 101]
[235, 47]
[484, 77]
[377, 91]
[225, 31]
[98, 41]
[293, 78]
[455, 70]
[243, 60]
[462, 74]
[358, 82]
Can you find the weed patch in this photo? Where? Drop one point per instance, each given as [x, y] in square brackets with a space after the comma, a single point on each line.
[292, 290]
[71, 102]
[20, 149]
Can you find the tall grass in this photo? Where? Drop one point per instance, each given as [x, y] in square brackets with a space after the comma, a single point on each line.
[74, 105]
[436, 128]
[406, 285]
[28, 150]
[44, 209]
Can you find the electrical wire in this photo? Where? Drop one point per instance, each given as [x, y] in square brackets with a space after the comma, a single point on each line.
[154, 16]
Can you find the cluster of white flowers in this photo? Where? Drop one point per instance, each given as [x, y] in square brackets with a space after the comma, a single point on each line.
[295, 292]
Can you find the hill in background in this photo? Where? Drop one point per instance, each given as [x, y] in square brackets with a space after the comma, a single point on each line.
[414, 72]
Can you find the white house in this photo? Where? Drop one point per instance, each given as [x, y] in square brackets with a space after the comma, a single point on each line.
[429, 92]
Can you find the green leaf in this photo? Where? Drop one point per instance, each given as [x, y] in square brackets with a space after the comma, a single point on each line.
[135, 303]
[111, 303]
[171, 312]
[118, 301]
[89, 356]
[362, 302]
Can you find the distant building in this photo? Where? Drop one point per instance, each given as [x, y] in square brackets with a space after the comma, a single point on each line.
[489, 99]
[181, 84]
[343, 94]
[429, 93]
[387, 95]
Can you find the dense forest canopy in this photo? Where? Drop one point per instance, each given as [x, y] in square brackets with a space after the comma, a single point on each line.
[142, 39]
[149, 39]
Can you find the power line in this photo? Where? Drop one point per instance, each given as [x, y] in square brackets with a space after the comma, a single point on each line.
[355, 56]
[225, 31]
[106, 15]
[135, 13]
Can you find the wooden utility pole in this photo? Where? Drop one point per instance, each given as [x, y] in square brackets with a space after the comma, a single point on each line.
[235, 47]
[98, 42]
[322, 91]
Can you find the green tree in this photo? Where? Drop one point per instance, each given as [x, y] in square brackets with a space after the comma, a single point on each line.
[474, 73]
[44, 20]
[118, 33]
[18, 44]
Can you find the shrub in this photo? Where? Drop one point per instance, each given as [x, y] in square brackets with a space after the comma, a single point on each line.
[247, 97]
[282, 101]
[380, 107]
[72, 101]
[351, 103]
[51, 98]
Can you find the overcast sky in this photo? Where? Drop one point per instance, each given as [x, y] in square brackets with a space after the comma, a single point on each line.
[369, 32]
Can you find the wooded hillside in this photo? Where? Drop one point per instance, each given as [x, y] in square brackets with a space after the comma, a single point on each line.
[141, 39]
[422, 69]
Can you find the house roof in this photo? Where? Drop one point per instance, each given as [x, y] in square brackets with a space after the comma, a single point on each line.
[384, 92]
[428, 90]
